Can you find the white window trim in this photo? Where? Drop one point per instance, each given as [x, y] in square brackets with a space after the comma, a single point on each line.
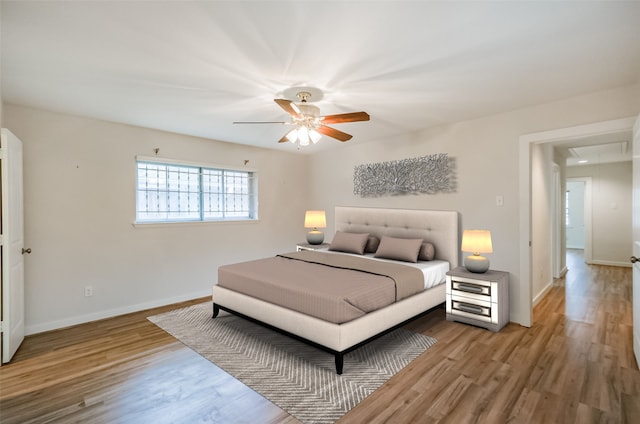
[159, 160]
[166, 161]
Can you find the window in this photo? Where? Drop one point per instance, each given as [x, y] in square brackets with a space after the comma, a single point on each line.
[171, 192]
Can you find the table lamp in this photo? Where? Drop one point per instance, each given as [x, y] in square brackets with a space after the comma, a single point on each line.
[315, 220]
[476, 242]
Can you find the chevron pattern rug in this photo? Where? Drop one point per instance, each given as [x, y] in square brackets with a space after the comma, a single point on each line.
[298, 378]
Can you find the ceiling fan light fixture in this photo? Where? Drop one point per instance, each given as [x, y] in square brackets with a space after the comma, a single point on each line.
[292, 135]
[303, 136]
[309, 125]
[315, 136]
[309, 111]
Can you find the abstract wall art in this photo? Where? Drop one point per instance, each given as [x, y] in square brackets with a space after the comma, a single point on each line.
[427, 175]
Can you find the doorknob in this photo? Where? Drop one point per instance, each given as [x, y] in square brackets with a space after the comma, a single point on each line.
[634, 259]
[28, 250]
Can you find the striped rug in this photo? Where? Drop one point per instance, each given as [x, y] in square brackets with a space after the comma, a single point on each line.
[298, 378]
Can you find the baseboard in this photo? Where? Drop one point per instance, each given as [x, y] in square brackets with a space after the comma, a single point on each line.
[563, 272]
[611, 263]
[110, 313]
[542, 294]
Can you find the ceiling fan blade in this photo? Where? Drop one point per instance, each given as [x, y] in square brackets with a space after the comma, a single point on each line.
[345, 117]
[261, 122]
[289, 107]
[333, 133]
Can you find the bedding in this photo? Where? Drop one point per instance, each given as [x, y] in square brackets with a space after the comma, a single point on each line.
[439, 252]
[334, 287]
[433, 270]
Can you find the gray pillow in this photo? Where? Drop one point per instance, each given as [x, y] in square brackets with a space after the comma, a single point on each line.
[349, 242]
[427, 252]
[372, 244]
[399, 249]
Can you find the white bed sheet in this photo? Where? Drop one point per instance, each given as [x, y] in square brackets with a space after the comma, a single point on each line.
[435, 272]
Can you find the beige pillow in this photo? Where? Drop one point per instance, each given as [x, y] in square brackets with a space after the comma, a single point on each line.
[349, 242]
[399, 249]
[427, 252]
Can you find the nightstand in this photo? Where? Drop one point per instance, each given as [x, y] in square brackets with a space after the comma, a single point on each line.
[307, 246]
[478, 299]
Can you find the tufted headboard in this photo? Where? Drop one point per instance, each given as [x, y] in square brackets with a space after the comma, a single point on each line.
[437, 227]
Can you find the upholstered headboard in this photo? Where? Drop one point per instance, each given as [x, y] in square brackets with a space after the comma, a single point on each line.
[437, 227]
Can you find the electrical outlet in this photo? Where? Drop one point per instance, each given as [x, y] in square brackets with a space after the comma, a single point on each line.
[88, 291]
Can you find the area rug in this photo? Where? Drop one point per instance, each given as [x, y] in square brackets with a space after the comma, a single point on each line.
[297, 377]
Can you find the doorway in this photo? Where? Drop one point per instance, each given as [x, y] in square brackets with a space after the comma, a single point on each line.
[527, 238]
[579, 213]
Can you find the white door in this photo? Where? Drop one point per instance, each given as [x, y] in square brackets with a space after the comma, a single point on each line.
[12, 245]
[636, 240]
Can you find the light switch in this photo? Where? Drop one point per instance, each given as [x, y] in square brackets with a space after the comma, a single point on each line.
[499, 200]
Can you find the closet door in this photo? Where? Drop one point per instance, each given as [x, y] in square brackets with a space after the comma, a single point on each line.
[12, 244]
[636, 240]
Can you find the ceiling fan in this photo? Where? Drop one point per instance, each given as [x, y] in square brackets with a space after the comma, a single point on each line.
[309, 125]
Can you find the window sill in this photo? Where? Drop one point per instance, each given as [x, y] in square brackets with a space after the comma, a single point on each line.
[192, 223]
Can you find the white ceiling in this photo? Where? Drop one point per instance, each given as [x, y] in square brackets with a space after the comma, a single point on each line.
[194, 67]
[608, 148]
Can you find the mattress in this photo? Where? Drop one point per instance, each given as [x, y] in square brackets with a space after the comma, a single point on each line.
[330, 293]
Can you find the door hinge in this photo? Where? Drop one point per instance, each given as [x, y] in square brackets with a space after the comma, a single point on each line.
[1, 326]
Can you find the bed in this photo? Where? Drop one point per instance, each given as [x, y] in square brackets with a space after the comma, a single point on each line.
[346, 333]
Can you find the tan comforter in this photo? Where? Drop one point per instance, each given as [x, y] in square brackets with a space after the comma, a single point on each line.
[333, 287]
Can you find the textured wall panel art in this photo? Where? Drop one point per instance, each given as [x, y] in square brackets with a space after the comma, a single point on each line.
[427, 174]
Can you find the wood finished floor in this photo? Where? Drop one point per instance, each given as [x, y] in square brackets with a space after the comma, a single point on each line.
[574, 365]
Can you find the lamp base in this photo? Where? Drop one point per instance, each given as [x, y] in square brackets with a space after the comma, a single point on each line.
[476, 263]
[315, 237]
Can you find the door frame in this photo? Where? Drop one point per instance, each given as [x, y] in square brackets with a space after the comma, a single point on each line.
[525, 143]
[556, 224]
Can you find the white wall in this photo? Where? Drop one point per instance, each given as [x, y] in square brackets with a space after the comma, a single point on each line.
[79, 177]
[486, 153]
[541, 218]
[79, 202]
[611, 205]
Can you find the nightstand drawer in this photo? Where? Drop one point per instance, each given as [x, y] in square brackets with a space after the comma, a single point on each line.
[477, 312]
[479, 292]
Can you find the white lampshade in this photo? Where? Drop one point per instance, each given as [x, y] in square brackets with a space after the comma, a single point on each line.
[303, 136]
[476, 242]
[315, 220]
[314, 136]
[292, 135]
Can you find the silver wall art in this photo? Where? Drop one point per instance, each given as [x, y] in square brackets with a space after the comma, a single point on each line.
[427, 174]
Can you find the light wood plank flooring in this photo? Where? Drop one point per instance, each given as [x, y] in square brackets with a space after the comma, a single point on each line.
[574, 365]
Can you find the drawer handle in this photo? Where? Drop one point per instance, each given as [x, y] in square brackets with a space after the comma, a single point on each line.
[470, 308]
[472, 289]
